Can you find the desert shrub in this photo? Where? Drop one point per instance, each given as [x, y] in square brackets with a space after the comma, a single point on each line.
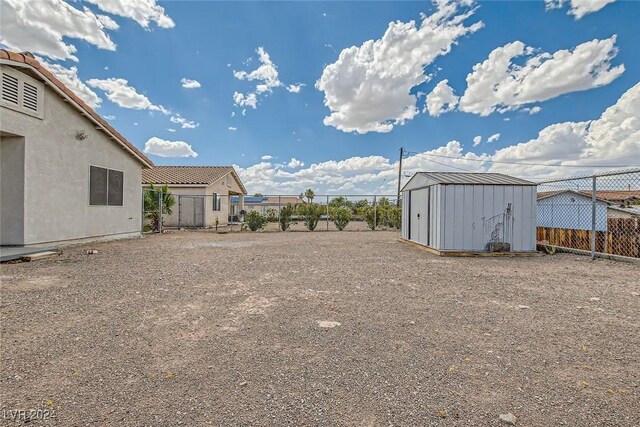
[272, 215]
[369, 215]
[340, 217]
[255, 220]
[311, 215]
[286, 212]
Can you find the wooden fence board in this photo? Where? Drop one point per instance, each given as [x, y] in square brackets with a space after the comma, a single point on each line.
[622, 237]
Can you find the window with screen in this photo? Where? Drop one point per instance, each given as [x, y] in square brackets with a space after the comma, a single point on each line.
[98, 186]
[216, 202]
[115, 188]
[106, 187]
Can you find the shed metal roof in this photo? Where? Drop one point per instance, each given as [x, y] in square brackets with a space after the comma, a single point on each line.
[475, 178]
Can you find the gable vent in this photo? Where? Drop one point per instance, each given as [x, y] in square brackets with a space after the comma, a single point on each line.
[22, 93]
[9, 89]
[30, 97]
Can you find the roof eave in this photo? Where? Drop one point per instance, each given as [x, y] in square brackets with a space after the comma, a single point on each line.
[46, 80]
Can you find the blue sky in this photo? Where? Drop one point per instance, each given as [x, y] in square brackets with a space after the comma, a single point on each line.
[562, 121]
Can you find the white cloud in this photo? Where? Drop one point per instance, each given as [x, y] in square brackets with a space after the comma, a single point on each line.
[267, 157]
[368, 88]
[142, 11]
[120, 93]
[232, 129]
[163, 148]
[110, 117]
[500, 84]
[69, 76]
[295, 88]
[266, 77]
[184, 123]
[294, 163]
[493, 138]
[44, 27]
[532, 110]
[578, 8]
[613, 138]
[441, 99]
[477, 140]
[242, 100]
[171, 130]
[189, 84]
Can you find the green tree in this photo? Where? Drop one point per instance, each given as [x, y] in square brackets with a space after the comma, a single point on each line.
[359, 206]
[151, 208]
[340, 216]
[255, 220]
[309, 194]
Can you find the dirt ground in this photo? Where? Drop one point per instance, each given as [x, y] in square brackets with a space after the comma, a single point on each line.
[323, 329]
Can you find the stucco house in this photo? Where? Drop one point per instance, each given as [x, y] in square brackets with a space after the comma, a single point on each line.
[202, 193]
[263, 204]
[65, 174]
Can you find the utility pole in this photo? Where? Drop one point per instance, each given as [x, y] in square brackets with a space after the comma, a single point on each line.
[399, 176]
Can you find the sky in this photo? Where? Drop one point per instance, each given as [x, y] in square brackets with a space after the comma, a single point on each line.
[300, 94]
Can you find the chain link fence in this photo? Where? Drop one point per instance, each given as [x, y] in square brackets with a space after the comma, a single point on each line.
[599, 214]
[275, 212]
[152, 210]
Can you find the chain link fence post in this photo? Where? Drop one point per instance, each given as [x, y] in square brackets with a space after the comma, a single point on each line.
[375, 213]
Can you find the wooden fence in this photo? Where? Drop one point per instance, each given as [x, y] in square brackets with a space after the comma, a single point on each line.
[621, 238]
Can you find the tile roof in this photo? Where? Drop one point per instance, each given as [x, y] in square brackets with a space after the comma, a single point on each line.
[26, 58]
[188, 175]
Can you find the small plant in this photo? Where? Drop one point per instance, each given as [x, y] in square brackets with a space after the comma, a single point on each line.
[152, 208]
[255, 221]
[311, 215]
[371, 217]
[286, 212]
[340, 217]
[272, 215]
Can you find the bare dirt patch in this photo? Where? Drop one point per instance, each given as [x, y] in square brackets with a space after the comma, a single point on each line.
[199, 328]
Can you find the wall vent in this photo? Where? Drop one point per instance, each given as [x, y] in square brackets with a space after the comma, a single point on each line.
[21, 92]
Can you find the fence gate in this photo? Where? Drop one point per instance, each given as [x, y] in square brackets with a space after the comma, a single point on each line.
[190, 211]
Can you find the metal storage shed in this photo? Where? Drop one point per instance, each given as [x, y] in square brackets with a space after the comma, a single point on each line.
[452, 212]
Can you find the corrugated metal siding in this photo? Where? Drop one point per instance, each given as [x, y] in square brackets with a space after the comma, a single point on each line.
[405, 215]
[474, 214]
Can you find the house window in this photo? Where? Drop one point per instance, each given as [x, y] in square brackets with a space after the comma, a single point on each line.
[216, 202]
[106, 187]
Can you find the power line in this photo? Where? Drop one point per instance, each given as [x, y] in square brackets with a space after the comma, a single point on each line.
[441, 164]
[514, 163]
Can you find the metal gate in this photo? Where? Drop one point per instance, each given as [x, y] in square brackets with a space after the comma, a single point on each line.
[191, 211]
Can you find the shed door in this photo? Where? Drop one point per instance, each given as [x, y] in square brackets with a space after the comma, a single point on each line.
[419, 216]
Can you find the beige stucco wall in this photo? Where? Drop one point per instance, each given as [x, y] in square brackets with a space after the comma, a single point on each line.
[11, 190]
[221, 187]
[56, 181]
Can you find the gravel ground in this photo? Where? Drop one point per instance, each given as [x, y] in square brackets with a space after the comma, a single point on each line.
[333, 329]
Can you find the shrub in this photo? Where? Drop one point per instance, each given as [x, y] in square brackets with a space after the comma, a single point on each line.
[255, 221]
[272, 215]
[340, 217]
[286, 212]
[370, 216]
[311, 215]
[151, 207]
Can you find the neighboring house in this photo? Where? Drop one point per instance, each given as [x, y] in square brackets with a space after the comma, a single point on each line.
[570, 209]
[203, 193]
[65, 173]
[263, 204]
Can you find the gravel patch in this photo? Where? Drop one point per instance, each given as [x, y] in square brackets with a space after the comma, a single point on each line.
[327, 329]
